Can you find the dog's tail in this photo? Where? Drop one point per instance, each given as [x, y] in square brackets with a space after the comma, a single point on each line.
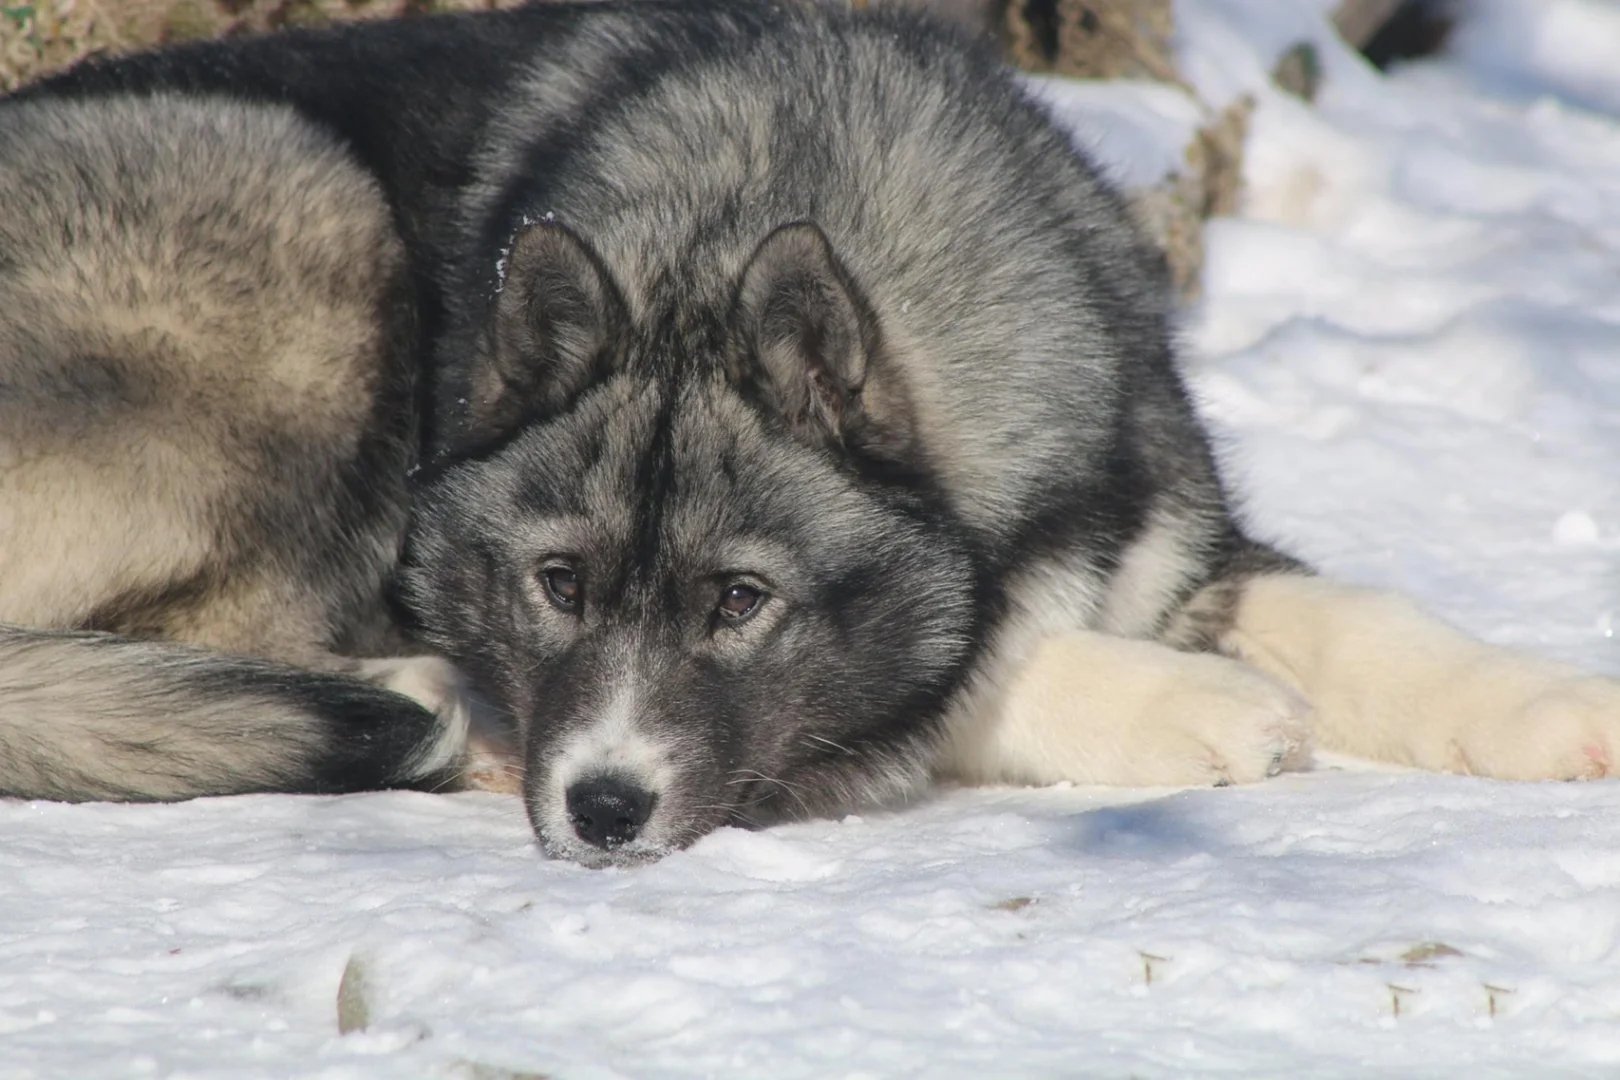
[93, 716]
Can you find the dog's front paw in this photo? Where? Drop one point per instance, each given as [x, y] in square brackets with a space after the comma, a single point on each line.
[1215, 721]
[1222, 722]
[1559, 726]
[1094, 709]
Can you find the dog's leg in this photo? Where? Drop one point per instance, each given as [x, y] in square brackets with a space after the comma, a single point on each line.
[477, 744]
[1390, 682]
[1092, 708]
[433, 683]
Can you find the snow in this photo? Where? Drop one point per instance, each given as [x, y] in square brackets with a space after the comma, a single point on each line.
[1407, 347]
[1561, 46]
[1138, 131]
[1004, 933]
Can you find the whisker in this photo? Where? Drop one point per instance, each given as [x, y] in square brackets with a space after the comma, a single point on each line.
[745, 776]
[752, 775]
[840, 747]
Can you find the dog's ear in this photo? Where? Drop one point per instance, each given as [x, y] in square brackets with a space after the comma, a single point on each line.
[556, 325]
[807, 340]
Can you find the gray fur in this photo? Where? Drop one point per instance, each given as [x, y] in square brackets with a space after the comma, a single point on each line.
[723, 301]
[204, 431]
[875, 338]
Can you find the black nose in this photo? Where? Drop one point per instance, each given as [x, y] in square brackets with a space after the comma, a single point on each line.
[607, 811]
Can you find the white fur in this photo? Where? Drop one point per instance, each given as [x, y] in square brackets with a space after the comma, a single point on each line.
[1393, 683]
[1091, 708]
[433, 683]
[615, 742]
[1048, 600]
[1153, 570]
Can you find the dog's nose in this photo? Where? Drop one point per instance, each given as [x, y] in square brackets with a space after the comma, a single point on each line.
[607, 811]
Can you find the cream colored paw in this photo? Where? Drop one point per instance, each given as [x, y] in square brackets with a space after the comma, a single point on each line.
[1392, 683]
[1094, 709]
[1561, 726]
[1219, 723]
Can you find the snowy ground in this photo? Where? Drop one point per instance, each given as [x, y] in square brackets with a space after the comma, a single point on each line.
[1409, 345]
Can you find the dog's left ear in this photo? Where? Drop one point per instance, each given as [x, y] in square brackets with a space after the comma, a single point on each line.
[809, 342]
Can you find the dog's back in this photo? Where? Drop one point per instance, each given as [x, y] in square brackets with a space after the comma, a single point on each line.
[204, 429]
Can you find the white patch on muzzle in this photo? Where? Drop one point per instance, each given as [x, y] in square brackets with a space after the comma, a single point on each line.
[616, 743]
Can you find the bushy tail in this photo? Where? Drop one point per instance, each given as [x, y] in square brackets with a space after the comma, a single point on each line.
[95, 716]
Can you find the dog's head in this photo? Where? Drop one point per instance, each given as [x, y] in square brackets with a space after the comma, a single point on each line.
[696, 556]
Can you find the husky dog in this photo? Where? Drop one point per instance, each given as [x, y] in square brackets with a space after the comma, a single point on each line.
[763, 407]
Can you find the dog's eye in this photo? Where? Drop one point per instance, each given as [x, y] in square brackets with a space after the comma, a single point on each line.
[739, 601]
[563, 588]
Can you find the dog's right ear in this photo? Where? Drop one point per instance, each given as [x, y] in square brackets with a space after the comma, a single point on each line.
[556, 326]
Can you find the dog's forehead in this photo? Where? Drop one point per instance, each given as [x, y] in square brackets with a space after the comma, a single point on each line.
[639, 439]
[680, 469]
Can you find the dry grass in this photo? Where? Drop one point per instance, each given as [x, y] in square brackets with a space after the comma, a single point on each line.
[41, 36]
[1093, 39]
